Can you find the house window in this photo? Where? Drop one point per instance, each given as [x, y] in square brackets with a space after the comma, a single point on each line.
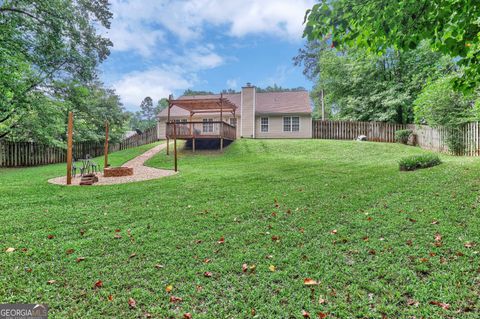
[291, 124]
[264, 124]
[233, 121]
[207, 125]
[181, 121]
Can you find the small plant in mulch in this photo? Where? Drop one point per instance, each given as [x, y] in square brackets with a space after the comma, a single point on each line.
[402, 136]
[415, 162]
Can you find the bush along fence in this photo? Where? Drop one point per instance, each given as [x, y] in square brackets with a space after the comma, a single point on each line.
[460, 141]
[18, 154]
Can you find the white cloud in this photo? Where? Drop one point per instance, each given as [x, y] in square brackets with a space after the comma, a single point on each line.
[137, 24]
[157, 83]
[201, 57]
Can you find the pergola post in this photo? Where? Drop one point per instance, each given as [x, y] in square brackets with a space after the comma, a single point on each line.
[168, 122]
[175, 145]
[105, 150]
[221, 121]
[69, 148]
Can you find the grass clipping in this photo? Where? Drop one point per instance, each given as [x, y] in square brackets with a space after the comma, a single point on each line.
[415, 162]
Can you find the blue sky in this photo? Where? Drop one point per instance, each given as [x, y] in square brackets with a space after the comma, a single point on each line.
[167, 46]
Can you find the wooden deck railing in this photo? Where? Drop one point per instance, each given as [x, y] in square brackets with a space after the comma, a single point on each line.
[201, 130]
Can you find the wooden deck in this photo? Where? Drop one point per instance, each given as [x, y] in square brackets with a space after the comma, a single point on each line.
[201, 130]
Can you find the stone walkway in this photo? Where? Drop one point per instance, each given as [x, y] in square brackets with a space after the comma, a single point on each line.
[140, 171]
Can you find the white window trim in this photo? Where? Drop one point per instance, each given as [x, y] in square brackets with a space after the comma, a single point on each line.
[207, 123]
[230, 121]
[261, 124]
[291, 124]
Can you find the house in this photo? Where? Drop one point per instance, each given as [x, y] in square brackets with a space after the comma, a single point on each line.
[257, 115]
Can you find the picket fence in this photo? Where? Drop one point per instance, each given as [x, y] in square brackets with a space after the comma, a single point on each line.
[430, 138]
[21, 154]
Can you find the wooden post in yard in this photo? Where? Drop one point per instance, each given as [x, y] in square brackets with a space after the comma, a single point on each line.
[105, 165]
[69, 148]
[170, 97]
[221, 121]
[175, 144]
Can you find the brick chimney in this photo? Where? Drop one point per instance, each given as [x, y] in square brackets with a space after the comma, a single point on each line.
[247, 116]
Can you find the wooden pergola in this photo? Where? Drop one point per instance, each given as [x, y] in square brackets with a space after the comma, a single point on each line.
[208, 105]
[187, 130]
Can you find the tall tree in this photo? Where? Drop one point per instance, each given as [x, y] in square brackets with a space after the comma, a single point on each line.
[368, 87]
[44, 41]
[450, 27]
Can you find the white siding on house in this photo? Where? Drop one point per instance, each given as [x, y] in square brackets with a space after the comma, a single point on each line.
[275, 127]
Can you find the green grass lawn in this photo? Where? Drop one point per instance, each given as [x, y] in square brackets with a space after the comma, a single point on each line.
[338, 212]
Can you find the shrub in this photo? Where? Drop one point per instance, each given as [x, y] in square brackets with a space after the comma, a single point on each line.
[401, 136]
[414, 162]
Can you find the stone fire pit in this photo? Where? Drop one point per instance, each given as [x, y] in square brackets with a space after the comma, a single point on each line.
[117, 171]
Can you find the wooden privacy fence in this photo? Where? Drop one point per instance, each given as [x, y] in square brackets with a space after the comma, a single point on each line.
[16, 154]
[349, 130]
[430, 138]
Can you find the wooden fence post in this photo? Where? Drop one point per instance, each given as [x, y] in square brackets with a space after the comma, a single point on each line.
[69, 148]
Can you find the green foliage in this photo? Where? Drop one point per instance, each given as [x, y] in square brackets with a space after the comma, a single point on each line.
[440, 105]
[43, 42]
[402, 136]
[147, 116]
[415, 162]
[366, 87]
[192, 92]
[450, 26]
[277, 88]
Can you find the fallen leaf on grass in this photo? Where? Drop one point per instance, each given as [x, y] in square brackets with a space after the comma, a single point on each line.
[244, 267]
[158, 266]
[24, 250]
[147, 315]
[174, 299]
[51, 282]
[423, 260]
[334, 232]
[187, 316]
[207, 274]
[275, 238]
[438, 237]
[79, 259]
[169, 288]
[321, 301]
[69, 251]
[412, 220]
[252, 268]
[10, 250]
[98, 284]
[445, 306]
[132, 255]
[310, 282]
[409, 242]
[305, 314]
[411, 302]
[434, 222]
[50, 236]
[82, 231]
[221, 240]
[132, 303]
[117, 230]
[198, 241]
[272, 268]
[206, 260]
[372, 252]
[469, 244]
[117, 236]
[110, 298]
[322, 315]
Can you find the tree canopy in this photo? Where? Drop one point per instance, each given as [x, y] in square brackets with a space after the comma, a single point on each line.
[452, 27]
[42, 43]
